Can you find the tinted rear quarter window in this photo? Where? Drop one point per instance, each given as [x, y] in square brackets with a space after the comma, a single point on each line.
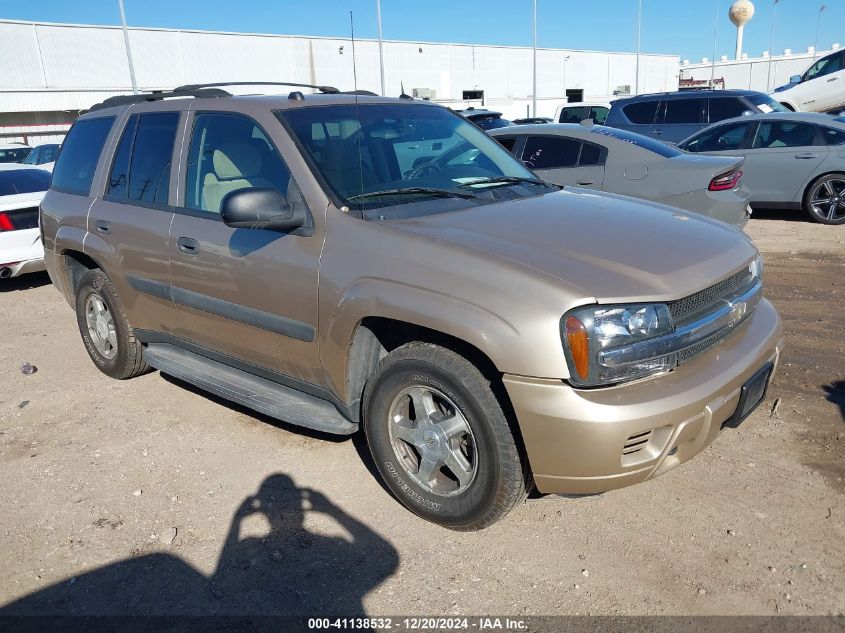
[725, 108]
[80, 153]
[17, 181]
[550, 152]
[725, 137]
[507, 143]
[149, 170]
[833, 137]
[571, 115]
[641, 113]
[784, 134]
[591, 155]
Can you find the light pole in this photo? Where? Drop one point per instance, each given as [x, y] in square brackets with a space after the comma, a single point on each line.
[818, 26]
[715, 33]
[771, 46]
[380, 46]
[534, 89]
[128, 48]
[639, 30]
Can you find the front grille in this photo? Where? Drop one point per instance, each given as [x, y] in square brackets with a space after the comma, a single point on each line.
[699, 347]
[685, 309]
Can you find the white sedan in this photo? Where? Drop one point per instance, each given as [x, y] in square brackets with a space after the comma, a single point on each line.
[21, 189]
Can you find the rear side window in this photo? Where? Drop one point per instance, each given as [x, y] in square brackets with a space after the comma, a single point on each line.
[119, 177]
[79, 155]
[550, 152]
[152, 150]
[571, 115]
[784, 134]
[833, 137]
[641, 113]
[507, 143]
[598, 114]
[680, 111]
[725, 108]
[591, 155]
[723, 138]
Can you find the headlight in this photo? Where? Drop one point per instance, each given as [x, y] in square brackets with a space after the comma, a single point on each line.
[756, 267]
[590, 329]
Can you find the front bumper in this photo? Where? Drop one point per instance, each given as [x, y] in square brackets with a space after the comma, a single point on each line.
[584, 441]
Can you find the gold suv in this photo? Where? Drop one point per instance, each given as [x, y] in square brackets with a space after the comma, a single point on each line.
[343, 261]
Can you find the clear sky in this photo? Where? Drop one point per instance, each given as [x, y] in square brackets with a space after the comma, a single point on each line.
[682, 27]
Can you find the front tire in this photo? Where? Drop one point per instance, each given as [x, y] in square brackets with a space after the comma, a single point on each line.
[824, 200]
[106, 333]
[441, 440]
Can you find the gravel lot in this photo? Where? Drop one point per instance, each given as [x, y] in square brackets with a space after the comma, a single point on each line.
[147, 496]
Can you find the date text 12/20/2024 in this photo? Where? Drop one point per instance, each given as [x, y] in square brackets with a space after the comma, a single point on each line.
[419, 624]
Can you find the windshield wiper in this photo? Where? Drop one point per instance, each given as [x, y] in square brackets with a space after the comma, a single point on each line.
[446, 193]
[508, 180]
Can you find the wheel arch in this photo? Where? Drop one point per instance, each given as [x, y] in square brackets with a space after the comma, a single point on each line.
[375, 337]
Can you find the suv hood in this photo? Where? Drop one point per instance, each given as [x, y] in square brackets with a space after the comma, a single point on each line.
[602, 246]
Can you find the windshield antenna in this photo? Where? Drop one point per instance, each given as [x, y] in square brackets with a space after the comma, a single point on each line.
[357, 112]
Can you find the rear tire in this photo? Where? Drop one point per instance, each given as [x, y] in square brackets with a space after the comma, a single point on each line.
[824, 200]
[106, 333]
[441, 440]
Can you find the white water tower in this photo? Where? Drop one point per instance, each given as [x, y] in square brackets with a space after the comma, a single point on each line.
[740, 12]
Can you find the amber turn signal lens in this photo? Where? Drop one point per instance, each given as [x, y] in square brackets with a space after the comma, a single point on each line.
[579, 346]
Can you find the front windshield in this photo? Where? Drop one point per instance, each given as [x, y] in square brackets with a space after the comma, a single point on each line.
[378, 155]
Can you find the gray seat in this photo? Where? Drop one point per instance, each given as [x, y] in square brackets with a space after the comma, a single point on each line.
[344, 169]
[234, 166]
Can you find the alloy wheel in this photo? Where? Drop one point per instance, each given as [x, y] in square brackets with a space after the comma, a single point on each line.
[433, 440]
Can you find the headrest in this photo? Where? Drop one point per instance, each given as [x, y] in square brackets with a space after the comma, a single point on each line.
[339, 156]
[236, 160]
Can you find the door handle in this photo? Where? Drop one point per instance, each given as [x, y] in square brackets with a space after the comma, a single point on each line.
[103, 227]
[188, 245]
[806, 156]
[586, 183]
[656, 132]
[832, 79]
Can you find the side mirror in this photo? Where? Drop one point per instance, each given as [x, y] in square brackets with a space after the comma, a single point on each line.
[795, 79]
[260, 208]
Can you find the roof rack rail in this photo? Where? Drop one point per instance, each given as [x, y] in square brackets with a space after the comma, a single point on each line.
[218, 84]
[120, 100]
[363, 93]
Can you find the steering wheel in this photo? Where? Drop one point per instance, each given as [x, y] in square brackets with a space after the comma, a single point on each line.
[426, 169]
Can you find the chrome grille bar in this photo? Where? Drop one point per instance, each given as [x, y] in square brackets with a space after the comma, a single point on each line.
[728, 313]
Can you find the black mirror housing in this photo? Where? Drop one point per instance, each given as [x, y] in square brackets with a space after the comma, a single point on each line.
[260, 208]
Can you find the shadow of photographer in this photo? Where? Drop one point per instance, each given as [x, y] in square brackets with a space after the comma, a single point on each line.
[287, 570]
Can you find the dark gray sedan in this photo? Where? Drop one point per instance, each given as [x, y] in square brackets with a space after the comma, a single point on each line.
[793, 160]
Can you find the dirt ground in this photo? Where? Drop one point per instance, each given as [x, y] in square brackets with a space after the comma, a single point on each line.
[147, 496]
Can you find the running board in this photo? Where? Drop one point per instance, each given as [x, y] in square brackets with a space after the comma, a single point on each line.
[259, 394]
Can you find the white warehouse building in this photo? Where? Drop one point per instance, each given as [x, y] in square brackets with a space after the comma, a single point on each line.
[49, 72]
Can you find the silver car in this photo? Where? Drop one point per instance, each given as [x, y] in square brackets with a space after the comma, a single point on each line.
[793, 160]
[631, 164]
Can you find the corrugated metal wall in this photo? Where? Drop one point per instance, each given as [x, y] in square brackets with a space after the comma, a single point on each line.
[66, 67]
